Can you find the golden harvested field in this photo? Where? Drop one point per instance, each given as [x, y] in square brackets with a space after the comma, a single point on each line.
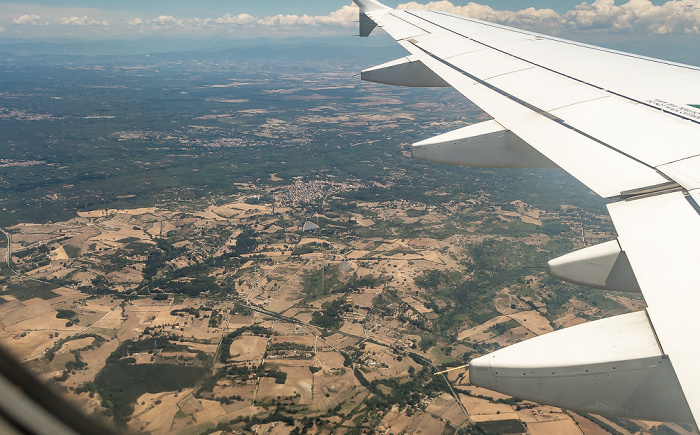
[305, 340]
[425, 423]
[333, 386]
[533, 321]
[560, 427]
[96, 245]
[481, 332]
[483, 410]
[157, 417]
[299, 381]
[247, 348]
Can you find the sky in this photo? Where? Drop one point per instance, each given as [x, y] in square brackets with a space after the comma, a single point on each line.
[242, 19]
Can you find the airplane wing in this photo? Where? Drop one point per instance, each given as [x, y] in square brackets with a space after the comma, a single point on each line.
[626, 126]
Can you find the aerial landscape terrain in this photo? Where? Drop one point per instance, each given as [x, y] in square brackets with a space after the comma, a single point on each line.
[240, 242]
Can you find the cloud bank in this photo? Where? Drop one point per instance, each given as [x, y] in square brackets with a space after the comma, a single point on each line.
[641, 16]
[344, 17]
[27, 19]
[82, 21]
[675, 16]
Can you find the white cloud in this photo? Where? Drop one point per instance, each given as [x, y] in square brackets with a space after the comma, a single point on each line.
[241, 19]
[344, 17]
[640, 16]
[2, 30]
[82, 21]
[162, 22]
[27, 19]
[166, 20]
[530, 17]
[674, 16]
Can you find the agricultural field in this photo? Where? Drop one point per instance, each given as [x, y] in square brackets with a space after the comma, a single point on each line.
[265, 256]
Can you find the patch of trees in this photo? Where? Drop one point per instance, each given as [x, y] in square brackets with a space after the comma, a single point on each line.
[190, 288]
[289, 346]
[72, 251]
[41, 249]
[279, 376]
[209, 383]
[431, 279]
[330, 317]
[414, 213]
[120, 384]
[241, 372]
[501, 328]
[502, 426]
[100, 286]
[326, 281]
[130, 347]
[553, 228]
[225, 347]
[249, 422]
[405, 391]
[304, 249]
[51, 353]
[241, 309]
[65, 314]
[157, 258]
[77, 363]
[215, 319]
[183, 311]
[245, 242]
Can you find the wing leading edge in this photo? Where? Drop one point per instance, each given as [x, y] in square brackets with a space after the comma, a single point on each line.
[627, 127]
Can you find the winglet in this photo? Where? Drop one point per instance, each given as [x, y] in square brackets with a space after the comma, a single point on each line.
[367, 24]
[370, 6]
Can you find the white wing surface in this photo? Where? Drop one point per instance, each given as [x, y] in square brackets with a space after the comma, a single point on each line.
[626, 126]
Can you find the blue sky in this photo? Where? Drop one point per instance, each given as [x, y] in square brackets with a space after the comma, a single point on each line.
[271, 7]
[241, 19]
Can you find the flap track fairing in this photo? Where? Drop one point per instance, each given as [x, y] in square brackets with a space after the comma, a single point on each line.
[406, 71]
[603, 266]
[486, 144]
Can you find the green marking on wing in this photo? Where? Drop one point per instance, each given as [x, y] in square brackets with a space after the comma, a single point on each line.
[697, 106]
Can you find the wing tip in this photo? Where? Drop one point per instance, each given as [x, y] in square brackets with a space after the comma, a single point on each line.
[367, 23]
[367, 6]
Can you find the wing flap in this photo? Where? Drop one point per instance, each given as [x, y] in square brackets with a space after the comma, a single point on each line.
[661, 236]
[685, 172]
